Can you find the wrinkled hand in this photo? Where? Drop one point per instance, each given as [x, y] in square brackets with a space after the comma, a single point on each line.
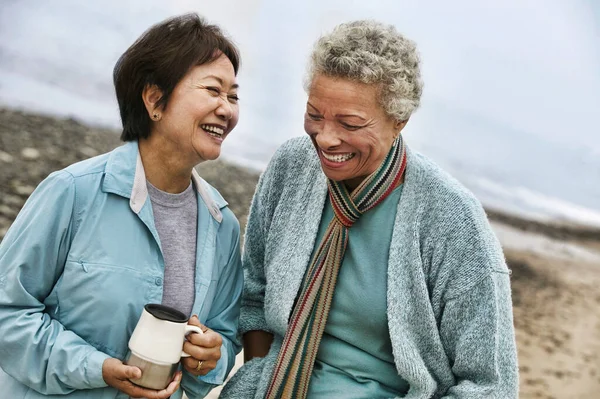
[205, 348]
[116, 374]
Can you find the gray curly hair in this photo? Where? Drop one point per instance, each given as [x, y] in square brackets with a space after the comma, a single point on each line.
[370, 52]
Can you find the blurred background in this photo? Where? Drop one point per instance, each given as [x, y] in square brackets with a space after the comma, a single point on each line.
[510, 107]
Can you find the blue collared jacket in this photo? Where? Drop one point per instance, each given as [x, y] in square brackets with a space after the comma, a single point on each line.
[77, 266]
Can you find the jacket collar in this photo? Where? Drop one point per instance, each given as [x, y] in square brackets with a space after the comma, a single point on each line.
[124, 175]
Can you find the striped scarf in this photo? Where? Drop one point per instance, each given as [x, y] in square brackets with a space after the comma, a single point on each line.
[294, 365]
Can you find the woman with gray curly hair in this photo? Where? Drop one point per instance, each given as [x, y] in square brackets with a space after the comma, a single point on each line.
[370, 272]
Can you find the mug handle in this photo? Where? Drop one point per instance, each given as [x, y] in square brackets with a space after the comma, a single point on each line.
[188, 330]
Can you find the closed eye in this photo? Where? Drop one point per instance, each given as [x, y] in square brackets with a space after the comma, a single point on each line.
[233, 98]
[314, 117]
[350, 127]
[213, 90]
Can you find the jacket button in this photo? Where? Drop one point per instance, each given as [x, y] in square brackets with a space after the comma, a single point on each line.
[158, 281]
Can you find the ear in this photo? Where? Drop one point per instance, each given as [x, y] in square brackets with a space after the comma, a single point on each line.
[399, 125]
[151, 95]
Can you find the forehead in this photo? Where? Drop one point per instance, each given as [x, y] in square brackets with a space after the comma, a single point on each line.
[220, 70]
[333, 92]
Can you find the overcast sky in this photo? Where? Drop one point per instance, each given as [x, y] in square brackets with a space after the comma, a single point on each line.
[512, 87]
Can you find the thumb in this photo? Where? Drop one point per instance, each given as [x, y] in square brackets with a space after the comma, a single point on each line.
[130, 372]
[195, 321]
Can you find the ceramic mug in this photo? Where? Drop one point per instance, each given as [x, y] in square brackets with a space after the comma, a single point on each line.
[156, 345]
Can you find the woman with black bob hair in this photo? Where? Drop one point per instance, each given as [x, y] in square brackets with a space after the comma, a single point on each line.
[101, 238]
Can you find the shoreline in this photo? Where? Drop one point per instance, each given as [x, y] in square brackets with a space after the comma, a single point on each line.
[555, 266]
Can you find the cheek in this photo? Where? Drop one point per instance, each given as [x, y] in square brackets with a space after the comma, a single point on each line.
[310, 127]
[234, 120]
[306, 127]
[368, 146]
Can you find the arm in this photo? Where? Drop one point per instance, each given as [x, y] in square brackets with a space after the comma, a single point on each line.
[476, 324]
[36, 349]
[223, 318]
[256, 337]
[477, 331]
[256, 344]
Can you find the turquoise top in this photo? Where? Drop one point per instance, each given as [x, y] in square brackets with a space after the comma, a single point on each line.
[449, 310]
[355, 357]
[78, 265]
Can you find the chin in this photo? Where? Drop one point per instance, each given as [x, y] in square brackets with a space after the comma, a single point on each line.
[335, 176]
[208, 155]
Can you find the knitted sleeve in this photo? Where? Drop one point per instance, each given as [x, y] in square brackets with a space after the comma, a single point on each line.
[472, 291]
[263, 204]
[478, 335]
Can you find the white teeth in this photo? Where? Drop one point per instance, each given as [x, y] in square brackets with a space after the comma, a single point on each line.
[338, 157]
[213, 129]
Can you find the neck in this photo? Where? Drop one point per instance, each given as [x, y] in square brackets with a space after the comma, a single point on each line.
[163, 166]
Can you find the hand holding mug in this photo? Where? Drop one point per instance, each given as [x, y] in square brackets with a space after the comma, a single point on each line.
[204, 349]
[117, 375]
[156, 345]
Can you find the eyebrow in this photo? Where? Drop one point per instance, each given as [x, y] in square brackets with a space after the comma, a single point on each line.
[352, 115]
[315, 108]
[218, 79]
[338, 115]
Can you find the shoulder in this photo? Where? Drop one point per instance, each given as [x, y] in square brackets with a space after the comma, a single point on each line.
[295, 160]
[67, 177]
[87, 176]
[95, 165]
[457, 241]
[444, 201]
[58, 186]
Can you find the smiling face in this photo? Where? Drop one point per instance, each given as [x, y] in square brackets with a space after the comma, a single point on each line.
[201, 112]
[350, 130]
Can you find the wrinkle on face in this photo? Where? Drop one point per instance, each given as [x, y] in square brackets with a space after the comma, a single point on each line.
[344, 116]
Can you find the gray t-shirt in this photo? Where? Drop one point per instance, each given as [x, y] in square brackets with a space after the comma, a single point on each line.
[176, 220]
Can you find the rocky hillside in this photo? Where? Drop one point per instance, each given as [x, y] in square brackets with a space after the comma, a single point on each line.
[33, 146]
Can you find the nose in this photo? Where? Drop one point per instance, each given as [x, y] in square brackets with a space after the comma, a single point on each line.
[327, 136]
[224, 110]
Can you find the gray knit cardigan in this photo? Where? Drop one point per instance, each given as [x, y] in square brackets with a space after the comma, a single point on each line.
[448, 290]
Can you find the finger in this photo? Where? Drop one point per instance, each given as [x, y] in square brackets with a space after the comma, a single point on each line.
[174, 385]
[125, 372]
[138, 392]
[209, 339]
[189, 363]
[170, 389]
[191, 366]
[202, 353]
[207, 367]
[195, 321]
[135, 391]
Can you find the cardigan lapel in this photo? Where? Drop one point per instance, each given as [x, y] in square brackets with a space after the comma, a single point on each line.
[297, 229]
[407, 276]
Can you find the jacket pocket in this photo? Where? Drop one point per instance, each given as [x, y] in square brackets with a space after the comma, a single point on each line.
[102, 303]
[205, 296]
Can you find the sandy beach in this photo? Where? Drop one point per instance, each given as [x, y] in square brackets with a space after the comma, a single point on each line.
[555, 268]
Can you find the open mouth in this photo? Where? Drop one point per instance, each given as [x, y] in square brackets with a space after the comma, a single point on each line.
[337, 158]
[213, 130]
